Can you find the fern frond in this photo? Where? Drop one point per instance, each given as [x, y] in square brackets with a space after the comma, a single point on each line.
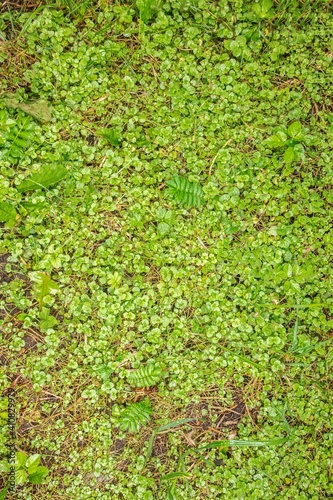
[188, 193]
[15, 136]
[135, 415]
[145, 376]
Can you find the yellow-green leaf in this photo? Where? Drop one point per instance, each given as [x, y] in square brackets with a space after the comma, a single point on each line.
[38, 110]
[7, 212]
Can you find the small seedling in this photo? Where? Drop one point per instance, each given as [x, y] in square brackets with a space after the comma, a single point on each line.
[27, 469]
[291, 138]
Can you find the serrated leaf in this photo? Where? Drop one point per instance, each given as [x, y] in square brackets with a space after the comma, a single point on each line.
[146, 9]
[295, 130]
[44, 285]
[48, 175]
[145, 376]
[289, 155]
[46, 319]
[20, 477]
[15, 136]
[7, 212]
[32, 463]
[163, 228]
[135, 415]
[38, 476]
[21, 459]
[188, 193]
[112, 135]
[263, 9]
[277, 140]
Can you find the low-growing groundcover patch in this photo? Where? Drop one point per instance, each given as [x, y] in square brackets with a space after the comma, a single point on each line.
[166, 248]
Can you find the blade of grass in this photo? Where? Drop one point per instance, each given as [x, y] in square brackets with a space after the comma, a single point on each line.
[295, 340]
[177, 423]
[150, 447]
[239, 443]
[290, 306]
[175, 475]
[162, 428]
[252, 443]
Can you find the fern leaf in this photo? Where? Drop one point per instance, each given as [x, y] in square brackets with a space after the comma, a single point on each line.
[15, 136]
[188, 193]
[135, 415]
[145, 376]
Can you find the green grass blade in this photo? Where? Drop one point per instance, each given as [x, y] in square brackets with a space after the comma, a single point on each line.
[238, 443]
[150, 447]
[176, 475]
[291, 306]
[177, 423]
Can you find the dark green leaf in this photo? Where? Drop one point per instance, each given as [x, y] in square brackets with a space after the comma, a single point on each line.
[7, 212]
[38, 476]
[289, 155]
[188, 193]
[176, 475]
[48, 176]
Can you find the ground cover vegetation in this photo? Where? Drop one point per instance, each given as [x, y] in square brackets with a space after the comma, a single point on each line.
[166, 248]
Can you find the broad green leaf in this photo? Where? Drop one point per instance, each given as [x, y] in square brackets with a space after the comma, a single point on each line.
[44, 285]
[32, 463]
[38, 476]
[163, 228]
[7, 212]
[289, 155]
[147, 9]
[295, 130]
[21, 459]
[277, 140]
[21, 476]
[38, 110]
[263, 9]
[112, 135]
[4, 465]
[46, 319]
[47, 176]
